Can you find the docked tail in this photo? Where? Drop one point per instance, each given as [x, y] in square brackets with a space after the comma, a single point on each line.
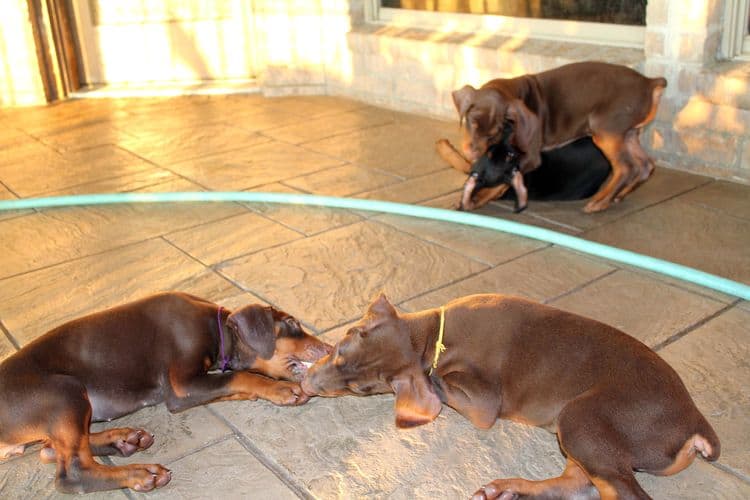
[705, 440]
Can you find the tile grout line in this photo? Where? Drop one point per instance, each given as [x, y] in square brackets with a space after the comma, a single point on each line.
[685, 331]
[468, 276]
[283, 475]
[80, 257]
[9, 336]
[728, 470]
[639, 210]
[581, 286]
[453, 250]
[232, 282]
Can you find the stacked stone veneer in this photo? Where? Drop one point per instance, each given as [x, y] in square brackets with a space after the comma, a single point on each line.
[704, 120]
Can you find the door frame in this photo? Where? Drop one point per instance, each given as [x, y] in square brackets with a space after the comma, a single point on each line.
[56, 47]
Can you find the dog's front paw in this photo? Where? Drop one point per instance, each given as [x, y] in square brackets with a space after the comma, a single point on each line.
[596, 206]
[287, 394]
[147, 477]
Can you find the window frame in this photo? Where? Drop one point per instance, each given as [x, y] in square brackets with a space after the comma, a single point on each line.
[735, 42]
[618, 35]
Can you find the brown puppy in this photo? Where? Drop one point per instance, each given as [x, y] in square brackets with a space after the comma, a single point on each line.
[610, 103]
[614, 404]
[114, 362]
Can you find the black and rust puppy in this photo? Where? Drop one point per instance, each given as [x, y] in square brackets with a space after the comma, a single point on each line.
[170, 347]
[572, 172]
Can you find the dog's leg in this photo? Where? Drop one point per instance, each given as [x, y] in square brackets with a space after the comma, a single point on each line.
[572, 483]
[68, 435]
[122, 441]
[644, 164]
[589, 437]
[240, 385]
[613, 148]
[486, 195]
[451, 155]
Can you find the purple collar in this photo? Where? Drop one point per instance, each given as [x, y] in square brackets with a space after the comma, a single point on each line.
[224, 360]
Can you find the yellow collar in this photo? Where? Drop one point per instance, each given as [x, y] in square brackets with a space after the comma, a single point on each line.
[439, 346]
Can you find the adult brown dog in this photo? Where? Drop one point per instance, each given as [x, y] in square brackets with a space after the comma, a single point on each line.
[614, 404]
[114, 362]
[610, 103]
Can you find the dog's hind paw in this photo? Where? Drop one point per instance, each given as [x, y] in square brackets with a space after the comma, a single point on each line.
[133, 441]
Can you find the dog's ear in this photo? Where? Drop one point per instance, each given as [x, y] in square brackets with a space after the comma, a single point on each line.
[462, 99]
[416, 400]
[527, 133]
[381, 306]
[255, 325]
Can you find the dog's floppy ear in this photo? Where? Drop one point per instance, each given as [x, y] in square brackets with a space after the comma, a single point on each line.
[527, 133]
[462, 99]
[416, 400]
[255, 325]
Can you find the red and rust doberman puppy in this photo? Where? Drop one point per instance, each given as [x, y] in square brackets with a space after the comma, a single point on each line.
[614, 404]
[609, 102]
[114, 362]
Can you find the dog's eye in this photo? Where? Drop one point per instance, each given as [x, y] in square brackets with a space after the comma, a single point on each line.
[509, 156]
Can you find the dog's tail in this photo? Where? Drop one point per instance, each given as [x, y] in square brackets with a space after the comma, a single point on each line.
[658, 82]
[656, 90]
[705, 440]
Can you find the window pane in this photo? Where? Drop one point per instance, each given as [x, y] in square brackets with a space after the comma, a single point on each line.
[631, 12]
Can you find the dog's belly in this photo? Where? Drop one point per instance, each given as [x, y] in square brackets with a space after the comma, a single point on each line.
[106, 406]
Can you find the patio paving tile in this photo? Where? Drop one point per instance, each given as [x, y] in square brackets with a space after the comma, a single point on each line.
[345, 180]
[225, 239]
[86, 136]
[649, 310]
[399, 148]
[708, 239]
[252, 166]
[6, 348]
[729, 198]
[33, 303]
[224, 470]
[307, 106]
[484, 245]
[185, 143]
[318, 127]
[329, 278]
[26, 477]
[307, 219]
[419, 189]
[176, 435]
[56, 235]
[539, 275]
[26, 151]
[43, 174]
[712, 361]
[662, 185]
[141, 180]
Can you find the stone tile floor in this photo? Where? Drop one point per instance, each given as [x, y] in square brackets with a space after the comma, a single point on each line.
[324, 265]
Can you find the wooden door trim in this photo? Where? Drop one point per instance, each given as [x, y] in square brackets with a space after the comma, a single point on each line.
[56, 49]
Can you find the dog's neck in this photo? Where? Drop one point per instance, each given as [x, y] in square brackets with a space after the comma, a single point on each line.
[424, 330]
[225, 342]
